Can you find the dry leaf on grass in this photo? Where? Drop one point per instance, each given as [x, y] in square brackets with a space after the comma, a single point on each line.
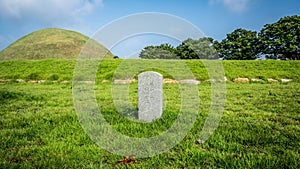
[128, 160]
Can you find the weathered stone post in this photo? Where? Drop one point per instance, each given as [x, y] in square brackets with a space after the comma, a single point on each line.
[150, 96]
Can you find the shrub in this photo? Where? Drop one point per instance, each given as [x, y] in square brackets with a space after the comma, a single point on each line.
[53, 77]
[33, 76]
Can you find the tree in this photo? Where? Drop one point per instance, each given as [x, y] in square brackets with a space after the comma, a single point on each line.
[241, 44]
[197, 49]
[188, 49]
[163, 51]
[282, 37]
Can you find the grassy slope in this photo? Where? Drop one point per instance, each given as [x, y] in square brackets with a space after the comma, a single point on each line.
[259, 129]
[50, 43]
[63, 69]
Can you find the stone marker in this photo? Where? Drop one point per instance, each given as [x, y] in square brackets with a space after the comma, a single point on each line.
[150, 94]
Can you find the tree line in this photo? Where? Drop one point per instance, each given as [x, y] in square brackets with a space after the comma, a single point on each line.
[281, 38]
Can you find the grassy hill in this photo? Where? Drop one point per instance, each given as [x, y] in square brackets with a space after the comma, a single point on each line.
[52, 43]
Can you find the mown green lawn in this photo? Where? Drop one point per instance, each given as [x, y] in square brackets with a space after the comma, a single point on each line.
[54, 69]
[259, 128]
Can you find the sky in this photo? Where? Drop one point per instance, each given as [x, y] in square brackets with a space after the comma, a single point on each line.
[215, 18]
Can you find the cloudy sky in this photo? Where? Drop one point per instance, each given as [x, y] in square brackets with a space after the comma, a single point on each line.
[215, 18]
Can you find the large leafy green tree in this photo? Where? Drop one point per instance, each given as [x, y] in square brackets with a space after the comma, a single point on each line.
[201, 48]
[163, 51]
[241, 44]
[197, 49]
[282, 37]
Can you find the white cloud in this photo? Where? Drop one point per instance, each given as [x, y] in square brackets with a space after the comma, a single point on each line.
[47, 10]
[233, 5]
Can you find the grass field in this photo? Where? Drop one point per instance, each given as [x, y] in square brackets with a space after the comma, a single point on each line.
[259, 128]
[53, 69]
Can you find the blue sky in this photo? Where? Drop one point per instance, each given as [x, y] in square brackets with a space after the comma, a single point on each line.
[215, 18]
